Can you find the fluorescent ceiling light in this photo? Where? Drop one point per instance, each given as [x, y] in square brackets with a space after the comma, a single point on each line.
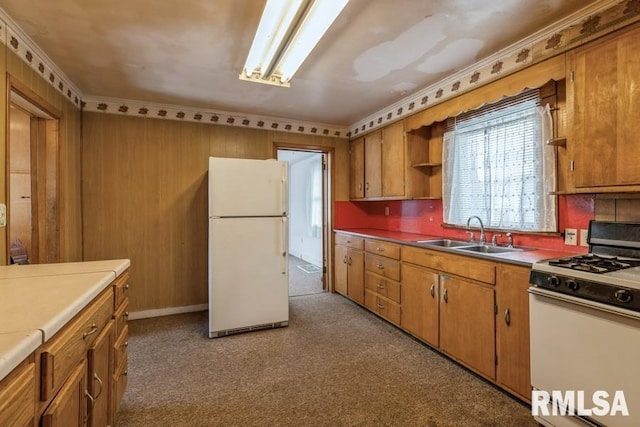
[287, 33]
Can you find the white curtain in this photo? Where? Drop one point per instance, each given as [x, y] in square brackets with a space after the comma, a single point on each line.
[499, 168]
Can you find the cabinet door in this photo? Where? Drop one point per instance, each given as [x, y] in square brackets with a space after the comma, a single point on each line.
[356, 182]
[18, 397]
[356, 275]
[340, 266]
[419, 301]
[512, 329]
[69, 407]
[604, 111]
[100, 361]
[467, 323]
[373, 165]
[393, 160]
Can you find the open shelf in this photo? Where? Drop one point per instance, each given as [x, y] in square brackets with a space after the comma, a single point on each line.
[426, 165]
[558, 142]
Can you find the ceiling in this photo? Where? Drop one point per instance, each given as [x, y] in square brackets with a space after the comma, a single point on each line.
[189, 53]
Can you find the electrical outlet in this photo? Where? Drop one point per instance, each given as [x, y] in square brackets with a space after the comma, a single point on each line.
[583, 238]
[3, 215]
[386, 210]
[570, 236]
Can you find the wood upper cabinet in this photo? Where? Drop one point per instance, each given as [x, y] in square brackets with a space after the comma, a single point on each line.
[373, 165]
[420, 312]
[467, 323]
[512, 329]
[603, 100]
[356, 170]
[377, 164]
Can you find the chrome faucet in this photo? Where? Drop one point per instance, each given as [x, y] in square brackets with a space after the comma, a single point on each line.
[483, 238]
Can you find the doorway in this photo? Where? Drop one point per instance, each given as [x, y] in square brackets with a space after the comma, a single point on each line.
[308, 205]
[32, 180]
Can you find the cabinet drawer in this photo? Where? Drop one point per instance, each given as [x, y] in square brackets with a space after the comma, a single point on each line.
[383, 266]
[63, 352]
[350, 241]
[121, 288]
[382, 306]
[386, 287]
[386, 249]
[121, 317]
[18, 397]
[120, 347]
[422, 257]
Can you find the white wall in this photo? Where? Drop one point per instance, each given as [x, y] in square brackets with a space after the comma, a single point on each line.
[302, 243]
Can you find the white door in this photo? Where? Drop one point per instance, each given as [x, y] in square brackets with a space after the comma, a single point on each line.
[245, 187]
[248, 276]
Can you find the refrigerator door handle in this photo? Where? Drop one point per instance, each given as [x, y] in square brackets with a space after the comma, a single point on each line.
[284, 244]
[283, 192]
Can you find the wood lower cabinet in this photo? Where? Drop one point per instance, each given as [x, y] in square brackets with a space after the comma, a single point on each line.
[100, 365]
[69, 407]
[119, 368]
[512, 329]
[349, 266]
[382, 279]
[467, 323]
[420, 303]
[18, 396]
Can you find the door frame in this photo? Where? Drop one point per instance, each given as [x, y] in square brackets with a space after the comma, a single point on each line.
[46, 118]
[327, 203]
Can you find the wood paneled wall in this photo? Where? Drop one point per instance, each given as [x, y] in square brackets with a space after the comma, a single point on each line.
[145, 197]
[69, 197]
[620, 208]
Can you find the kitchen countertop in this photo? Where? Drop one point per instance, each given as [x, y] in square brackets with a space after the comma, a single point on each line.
[525, 257]
[38, 300]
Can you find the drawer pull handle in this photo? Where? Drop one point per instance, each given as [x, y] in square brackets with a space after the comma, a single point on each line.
[92, 400]
[445, 296]
[349, 262]
[94, 329]
[345, 259]
[379, 249]
[380, 266]
[380, 286]
[126, 287]
[126, 344]
[126, 316]
[125, 372]
[380, 306]
[507, 317]
[97, 378]
[432, 290]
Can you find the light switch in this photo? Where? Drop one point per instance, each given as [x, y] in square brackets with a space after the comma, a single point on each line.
[583, 238]
[570, 236]
[3, 215]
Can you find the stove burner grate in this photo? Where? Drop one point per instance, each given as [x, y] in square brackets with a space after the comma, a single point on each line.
[594, 263]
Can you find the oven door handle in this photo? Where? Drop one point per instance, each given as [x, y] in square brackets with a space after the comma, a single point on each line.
[536, 291]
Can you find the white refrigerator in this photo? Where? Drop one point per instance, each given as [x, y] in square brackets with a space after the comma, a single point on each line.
[248, 256]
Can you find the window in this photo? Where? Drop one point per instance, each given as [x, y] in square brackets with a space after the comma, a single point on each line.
[497, 166]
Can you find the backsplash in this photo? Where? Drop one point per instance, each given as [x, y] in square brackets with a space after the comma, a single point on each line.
[425, 217]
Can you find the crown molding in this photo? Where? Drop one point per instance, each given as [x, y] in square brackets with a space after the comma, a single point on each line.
[29, 52]
[202, 115]
[582, 26]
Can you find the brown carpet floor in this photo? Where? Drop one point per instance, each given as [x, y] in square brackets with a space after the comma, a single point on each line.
[336, 364]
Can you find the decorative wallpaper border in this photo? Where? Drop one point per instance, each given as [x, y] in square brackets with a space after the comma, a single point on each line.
[583, 26]
[15, 39]
[202, 115]
[594, 21]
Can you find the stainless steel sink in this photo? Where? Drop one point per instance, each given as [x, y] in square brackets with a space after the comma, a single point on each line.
[444, 243]
[486, 249]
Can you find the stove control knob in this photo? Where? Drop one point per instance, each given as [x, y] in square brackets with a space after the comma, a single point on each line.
[623, 295]
[572, 284]
[553, 280]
